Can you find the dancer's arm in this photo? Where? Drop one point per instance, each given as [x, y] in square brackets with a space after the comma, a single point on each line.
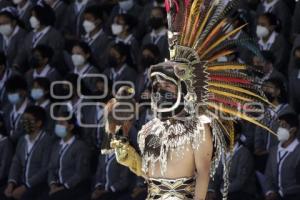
[203, 156]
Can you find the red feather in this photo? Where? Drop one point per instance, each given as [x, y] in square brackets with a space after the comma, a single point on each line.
[230, 79]
[220, 100]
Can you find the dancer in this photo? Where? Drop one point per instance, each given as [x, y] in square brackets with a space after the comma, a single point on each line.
[195, 99]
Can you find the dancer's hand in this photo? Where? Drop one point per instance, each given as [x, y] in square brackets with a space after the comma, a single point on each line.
[9, 189]
[19, 192]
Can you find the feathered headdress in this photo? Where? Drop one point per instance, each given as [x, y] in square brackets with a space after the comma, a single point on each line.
[200, 33]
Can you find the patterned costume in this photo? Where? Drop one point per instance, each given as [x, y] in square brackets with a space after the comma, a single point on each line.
[207, 90]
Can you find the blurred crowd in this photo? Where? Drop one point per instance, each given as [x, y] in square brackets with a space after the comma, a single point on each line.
[61, 61]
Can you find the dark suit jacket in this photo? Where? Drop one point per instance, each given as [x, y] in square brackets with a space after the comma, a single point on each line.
[74, 164]
[15, 42]
[19, 131]
[31, 171]
[6, 154]
[241, 175]
[110, 174]
[162, 44]
[26, 16]
[99, 49]
[290, 172]
[52, 38]
[72, 25]
[128, 74]
[60, 13]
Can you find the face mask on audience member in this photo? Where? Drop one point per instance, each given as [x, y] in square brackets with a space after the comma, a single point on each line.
[37, 93]
[6, 29]
[156, 22]
[17, 2]
[113, 62]
[283, 134]
[297, 62]
[35, 62]
[78, 60]
[116, 29]
[29, 125]
[126, 5]
[34, 22]
[14, 98]
[88, 26]
[270, 96]
[147, 61]
[262, 31]
[61, 130]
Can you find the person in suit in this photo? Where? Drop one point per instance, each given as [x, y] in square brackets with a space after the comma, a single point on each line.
[80, 106]
[270, 39]
[159, 33]
[24, 11]
[142, 29]
[118, 65]
[59, 7]
[12, 33]
[122, 28]
[241, 174]
[283, 167]
[5, 3]
[83, 64]
[294, 79]
[40, 64]
[112, 179]
[95, 36]
[73, 22]
[150, 55]
[295, 20]
[125, 7]
[6, 155]
[16, 88]
[69, 166]
[5, 74]
[276, 93]
[27, 178]
[40, 94]
[265, 63]
[280, 10]
[42, 20]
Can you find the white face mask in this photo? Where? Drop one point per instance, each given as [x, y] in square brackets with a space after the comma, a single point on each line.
[6, 29]
[126, 5]
[17, 2]
[283, 134]
[88, 26]
[262, 31]
[78, 60]
[34, 22]
[116, 29]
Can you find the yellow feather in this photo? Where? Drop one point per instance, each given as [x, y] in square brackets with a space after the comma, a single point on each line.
[239, 90]
[240, 115]
[229, 94]
[205, 21]
[215, 30]
[223, 53]
[226, 36]
[227, 67]
[194, 11]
